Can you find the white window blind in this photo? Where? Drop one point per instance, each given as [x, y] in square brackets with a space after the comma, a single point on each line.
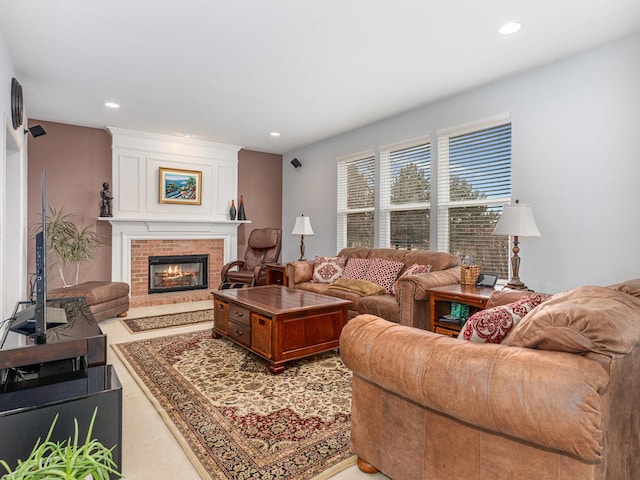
[474, 181]
[405, 194]
[356, 201]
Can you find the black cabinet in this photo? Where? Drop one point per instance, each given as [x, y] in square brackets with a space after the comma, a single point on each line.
[77, 398]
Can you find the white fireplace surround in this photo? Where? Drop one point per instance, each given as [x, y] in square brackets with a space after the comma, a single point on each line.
[124, 231]
[137, 212]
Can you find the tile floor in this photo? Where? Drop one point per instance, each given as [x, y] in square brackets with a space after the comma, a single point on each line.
[149, 449]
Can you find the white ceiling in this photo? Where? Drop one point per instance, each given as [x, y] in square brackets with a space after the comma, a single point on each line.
[232, 71]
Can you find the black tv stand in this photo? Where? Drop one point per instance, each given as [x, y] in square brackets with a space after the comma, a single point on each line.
[68, 376]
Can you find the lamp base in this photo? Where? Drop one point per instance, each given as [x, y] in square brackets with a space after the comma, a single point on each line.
[301, 259]
[516, 285]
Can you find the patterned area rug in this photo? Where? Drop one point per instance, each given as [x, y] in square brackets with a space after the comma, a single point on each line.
[236, 420]
[137, 325]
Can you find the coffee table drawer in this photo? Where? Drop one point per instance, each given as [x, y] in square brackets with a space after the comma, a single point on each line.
[239, 314]
[240, 332]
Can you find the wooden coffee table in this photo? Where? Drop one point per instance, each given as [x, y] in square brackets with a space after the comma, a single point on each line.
[279, 323]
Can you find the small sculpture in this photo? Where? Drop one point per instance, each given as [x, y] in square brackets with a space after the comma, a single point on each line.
[105, 207]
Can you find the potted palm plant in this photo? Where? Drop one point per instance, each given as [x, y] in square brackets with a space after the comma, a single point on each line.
[66, 460]
[72, 244]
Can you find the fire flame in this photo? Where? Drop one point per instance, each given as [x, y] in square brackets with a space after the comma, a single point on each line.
[174, 270]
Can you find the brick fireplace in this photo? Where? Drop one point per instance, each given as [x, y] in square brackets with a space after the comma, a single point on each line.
[134, 241]
[141, 250]
[144, 225]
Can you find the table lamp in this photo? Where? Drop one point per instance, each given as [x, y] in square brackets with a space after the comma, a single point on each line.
[302, 228]
[517, 220]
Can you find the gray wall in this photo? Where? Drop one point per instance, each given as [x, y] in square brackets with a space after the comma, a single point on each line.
[576, 159]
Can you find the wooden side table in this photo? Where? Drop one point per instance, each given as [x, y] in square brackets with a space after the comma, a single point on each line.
[441, 298]
[276, 274]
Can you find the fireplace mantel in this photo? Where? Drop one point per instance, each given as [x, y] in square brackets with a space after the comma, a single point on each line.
[138, 213]
[124, 230]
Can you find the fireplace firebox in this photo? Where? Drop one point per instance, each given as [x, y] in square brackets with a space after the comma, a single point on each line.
[172, 273]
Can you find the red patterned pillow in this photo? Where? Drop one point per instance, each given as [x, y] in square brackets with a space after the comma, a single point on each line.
[356, 268]
[328, 269]
[493, 325]
[414, 269]
[383, 272]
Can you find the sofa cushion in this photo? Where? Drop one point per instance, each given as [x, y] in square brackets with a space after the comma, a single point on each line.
[323, 289]
[384, 306]
[354, 252]
[586, 319]
[414, 269]
[363, 288]
[507, 295]
[394, 254]
[493, 325]
[328, 269]
[356, 268]
[631, 287]
[383, 272]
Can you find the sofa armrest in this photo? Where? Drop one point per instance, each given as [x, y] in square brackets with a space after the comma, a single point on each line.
[419, 284]
[413, 298]
[551, 399]
[238, 264]
[299, 271]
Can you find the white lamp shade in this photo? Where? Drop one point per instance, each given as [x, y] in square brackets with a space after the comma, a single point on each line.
[517, 220]
[302, 226]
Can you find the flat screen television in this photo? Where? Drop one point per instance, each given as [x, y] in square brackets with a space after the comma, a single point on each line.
[32, 319]
[41, 271]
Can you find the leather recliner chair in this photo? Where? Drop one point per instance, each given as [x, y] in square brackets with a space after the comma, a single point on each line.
[263, 247]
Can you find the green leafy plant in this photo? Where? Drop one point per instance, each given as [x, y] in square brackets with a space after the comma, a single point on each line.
[72, 244]
[66, 460]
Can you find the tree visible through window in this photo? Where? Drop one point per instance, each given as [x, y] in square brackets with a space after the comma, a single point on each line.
[406, 193]
[475, 175]
[356, 201]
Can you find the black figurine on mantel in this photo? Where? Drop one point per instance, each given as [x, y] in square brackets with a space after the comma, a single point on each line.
[241, 214]
[105, 207]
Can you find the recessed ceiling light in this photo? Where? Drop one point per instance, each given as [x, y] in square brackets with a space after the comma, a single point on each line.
[510, 28]
[187, 135]
[111, 105]
[275, 134]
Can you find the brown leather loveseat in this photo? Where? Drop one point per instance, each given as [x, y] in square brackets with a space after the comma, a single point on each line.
[409, 305]
[557, 400]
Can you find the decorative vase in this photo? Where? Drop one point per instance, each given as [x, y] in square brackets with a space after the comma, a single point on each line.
[241, 214]
[232, 210]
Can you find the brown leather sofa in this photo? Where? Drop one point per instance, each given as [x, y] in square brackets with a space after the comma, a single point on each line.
[409, 305]
[557, 400]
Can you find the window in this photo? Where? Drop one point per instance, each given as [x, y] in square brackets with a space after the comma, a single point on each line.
[461, 208]
[356, 201]
[474, 181]
[405, 186]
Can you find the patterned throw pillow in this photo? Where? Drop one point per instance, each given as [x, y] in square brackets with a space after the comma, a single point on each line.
[414, 269]
[493, 325]
[356, 268]
[328, 269]
[383, 272]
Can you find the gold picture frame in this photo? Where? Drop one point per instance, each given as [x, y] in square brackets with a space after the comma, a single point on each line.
[179, 186]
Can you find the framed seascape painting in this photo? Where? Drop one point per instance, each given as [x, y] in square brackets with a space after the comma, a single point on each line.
[180, 186]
